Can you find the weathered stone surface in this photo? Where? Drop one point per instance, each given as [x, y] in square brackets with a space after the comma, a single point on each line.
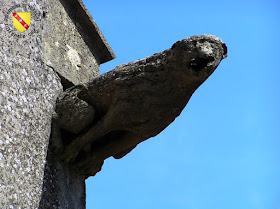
[69, 48]
[109, 116]
[56, 49]
[90, 32]
[28, 91]
[63, 187]
[72, 113]
[66, 51]
[138, 100]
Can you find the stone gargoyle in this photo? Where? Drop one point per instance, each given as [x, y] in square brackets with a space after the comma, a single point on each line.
[117, 110]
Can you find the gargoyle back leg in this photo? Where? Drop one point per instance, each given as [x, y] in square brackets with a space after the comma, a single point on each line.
[116, 148]
[100, 129]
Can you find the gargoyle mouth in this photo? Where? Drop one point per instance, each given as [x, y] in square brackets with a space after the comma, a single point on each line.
[199, 63]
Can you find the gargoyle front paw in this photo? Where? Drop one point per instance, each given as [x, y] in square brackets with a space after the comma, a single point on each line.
[69, 154]
[68, 157]
[88, 168]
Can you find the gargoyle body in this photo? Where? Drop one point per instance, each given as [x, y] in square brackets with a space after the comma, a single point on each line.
[133, 102]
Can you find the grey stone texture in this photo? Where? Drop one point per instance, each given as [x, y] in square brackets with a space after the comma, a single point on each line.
[59, 120]
[133, 102]
[55, 52]
[28, 91]
[75, 45]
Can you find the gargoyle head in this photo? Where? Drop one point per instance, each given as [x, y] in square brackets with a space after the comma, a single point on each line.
[201, 54]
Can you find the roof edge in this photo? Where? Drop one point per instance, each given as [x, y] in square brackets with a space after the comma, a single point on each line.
[90, 31]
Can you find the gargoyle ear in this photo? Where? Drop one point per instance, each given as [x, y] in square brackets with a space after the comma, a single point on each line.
[225, 50]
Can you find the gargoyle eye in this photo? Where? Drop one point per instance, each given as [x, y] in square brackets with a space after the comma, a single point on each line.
[198, 63]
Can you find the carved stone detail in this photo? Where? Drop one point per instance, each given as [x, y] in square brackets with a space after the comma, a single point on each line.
[121, 108]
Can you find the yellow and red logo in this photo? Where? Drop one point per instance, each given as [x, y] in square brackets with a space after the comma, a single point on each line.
[21, 20]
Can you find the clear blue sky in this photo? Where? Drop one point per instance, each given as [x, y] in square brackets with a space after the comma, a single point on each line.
[222, 152]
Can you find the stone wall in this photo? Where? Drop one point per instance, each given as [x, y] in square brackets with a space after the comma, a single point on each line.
[33, 66]
[28, 91]
[65, 49]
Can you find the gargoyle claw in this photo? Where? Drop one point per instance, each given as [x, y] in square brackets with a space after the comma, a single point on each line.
[68, 156]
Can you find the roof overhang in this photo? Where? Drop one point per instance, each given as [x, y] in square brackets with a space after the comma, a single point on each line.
[89, 30]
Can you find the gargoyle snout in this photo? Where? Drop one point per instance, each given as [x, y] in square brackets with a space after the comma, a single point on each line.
[208, 51]
[199, 63]
[200, 51]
